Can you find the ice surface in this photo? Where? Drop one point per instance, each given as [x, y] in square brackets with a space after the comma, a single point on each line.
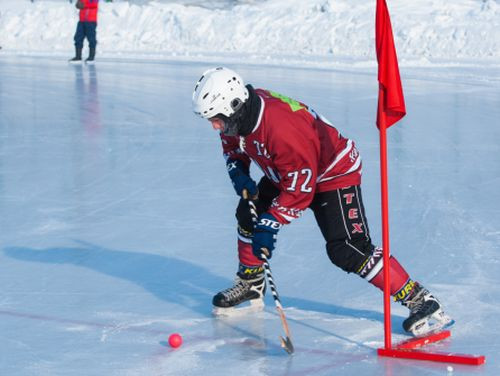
[117, 223]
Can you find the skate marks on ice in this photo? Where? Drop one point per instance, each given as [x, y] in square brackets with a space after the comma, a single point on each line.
[167, 278]
[250, 346]
[184, 284]
[327, 337]
[252, 342]
[111, 323]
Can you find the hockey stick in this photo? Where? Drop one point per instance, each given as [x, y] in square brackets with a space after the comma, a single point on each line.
[285, 343]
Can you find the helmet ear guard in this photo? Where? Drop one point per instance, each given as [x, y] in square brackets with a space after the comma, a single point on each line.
[236, 104]
[219, 91]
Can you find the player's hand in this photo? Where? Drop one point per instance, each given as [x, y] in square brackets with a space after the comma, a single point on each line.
[79, 4]
[264, 235]
[240, 177]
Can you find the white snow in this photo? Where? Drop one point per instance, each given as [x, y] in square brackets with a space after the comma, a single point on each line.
[322, 33]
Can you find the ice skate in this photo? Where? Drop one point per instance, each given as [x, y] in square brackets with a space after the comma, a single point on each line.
[247, 295]
[426, 313]
[78, 57]
[90, 60]
[76, 60]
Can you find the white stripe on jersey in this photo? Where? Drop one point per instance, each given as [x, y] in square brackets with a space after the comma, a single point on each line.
[288, 217]
[263, 104]
[342, 154]
[354, 167]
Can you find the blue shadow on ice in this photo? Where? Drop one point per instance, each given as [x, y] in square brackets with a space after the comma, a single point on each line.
[168, 278]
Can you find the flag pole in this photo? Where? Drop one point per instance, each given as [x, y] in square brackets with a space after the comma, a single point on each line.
[391, 108]
[385, 234]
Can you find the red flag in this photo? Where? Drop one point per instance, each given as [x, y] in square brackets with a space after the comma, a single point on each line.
[391, 102]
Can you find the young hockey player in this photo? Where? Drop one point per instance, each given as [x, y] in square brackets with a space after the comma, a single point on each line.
[306, 163]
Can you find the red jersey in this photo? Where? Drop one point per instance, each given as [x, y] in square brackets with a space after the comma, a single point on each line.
[298, 150]
[89, 11]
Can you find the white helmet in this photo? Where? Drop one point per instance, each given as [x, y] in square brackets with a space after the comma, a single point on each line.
[219, 91]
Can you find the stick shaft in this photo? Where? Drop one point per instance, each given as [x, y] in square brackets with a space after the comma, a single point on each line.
[270, 280]
[276, 297]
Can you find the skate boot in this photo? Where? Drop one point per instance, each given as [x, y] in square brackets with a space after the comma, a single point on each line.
[78, 56]
[426, 313]
[90, 59]
[231, 301]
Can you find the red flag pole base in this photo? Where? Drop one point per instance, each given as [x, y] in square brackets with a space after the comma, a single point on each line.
[417, 342]
[471, 360]
[408, 350]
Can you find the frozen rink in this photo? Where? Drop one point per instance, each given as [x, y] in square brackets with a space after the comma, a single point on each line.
[117, 223]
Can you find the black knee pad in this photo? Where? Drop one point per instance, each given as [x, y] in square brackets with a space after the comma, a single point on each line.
[349, 255]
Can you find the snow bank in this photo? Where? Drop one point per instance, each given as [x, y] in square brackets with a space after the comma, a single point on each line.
[320, 31]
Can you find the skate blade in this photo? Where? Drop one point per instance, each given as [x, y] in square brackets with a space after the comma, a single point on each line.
[437, 322]
[256, 305]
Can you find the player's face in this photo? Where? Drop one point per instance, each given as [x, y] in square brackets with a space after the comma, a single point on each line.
[217, 124]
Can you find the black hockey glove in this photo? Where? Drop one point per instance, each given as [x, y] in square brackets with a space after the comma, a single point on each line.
[240, 177]
[264, 235]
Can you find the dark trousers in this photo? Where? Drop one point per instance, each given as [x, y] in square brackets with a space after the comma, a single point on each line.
[85, 30]
[340, 215]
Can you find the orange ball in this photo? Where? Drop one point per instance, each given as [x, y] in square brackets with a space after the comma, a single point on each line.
[175, 340]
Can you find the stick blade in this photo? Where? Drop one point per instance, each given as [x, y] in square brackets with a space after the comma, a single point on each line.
[287, 345]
